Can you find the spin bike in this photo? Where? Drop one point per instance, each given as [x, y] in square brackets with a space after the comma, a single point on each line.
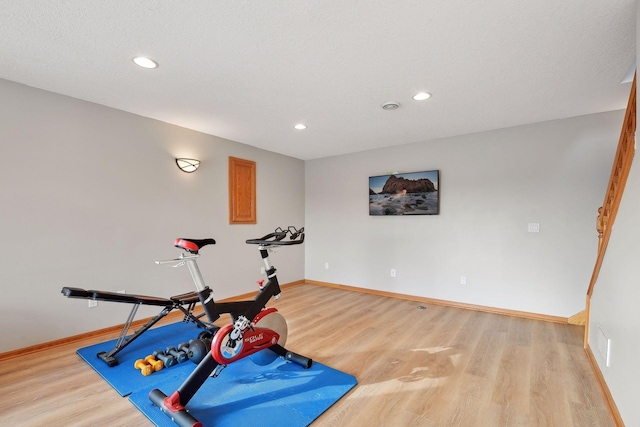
[253, 328]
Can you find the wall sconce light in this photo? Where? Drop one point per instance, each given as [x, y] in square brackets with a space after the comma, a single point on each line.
[188, 165]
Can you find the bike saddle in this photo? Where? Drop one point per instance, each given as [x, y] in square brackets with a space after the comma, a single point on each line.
[192, 245]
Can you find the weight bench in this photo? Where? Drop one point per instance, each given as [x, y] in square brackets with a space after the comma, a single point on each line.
[179, 302]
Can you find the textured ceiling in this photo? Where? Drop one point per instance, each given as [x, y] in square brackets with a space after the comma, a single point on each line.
[250, 70]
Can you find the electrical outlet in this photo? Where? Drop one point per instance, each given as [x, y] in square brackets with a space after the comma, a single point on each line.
[262, 271]
[93, 303]
[121, 292]
[463, 280]
[326, 265]
[393, 272]
[603, 343]
[534, 227]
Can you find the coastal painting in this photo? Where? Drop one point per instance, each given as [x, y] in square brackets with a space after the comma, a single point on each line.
[415, 193]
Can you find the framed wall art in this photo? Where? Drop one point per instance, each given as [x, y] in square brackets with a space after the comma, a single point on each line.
[415, 193]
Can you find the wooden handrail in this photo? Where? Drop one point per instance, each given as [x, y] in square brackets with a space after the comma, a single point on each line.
[607, 212]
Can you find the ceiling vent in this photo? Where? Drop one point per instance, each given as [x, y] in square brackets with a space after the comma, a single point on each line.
[390, 106]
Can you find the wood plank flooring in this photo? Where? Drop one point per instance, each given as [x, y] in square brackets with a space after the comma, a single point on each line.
[439, 366]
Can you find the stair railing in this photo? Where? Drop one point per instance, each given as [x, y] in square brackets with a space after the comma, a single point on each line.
[607, 212]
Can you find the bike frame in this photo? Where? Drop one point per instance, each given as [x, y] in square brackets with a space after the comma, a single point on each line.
[213, 309]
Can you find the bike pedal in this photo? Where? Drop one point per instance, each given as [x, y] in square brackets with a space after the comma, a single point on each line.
[217, 370]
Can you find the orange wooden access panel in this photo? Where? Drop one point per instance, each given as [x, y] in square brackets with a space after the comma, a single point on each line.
[242, 191]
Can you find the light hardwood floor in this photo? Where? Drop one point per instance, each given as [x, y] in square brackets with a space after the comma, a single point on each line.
[439, 366]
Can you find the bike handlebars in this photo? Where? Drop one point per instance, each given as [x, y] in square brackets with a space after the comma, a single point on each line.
[277, 237]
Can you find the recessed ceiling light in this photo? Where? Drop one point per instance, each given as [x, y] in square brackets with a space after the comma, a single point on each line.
[421, 96]
[300, 126]
[145, 62]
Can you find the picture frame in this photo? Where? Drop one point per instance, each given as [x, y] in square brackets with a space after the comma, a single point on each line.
[414, 193]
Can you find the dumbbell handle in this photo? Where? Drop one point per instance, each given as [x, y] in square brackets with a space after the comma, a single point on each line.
[156, 364]
[168, 359]
[180, 356]
[145, 368]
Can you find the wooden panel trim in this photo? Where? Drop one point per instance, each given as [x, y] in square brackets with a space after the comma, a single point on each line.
[613, 408]
[249, 295]
[486, 309]
[242, 191]
[76, 338]
[111, 330]
[176, 314]
[587, 321]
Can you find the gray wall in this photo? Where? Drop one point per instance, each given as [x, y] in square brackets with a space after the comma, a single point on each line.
[91, 196]
[614, 305]
[492, 185]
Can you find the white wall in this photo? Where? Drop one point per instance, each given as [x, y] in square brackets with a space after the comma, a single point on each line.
[91, 196]
[492, 185]
[614, 305]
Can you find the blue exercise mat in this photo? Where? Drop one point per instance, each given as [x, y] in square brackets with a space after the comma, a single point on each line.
[281, 394]
[124, 377]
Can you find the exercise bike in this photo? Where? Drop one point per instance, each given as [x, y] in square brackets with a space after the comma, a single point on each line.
[253, 328]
